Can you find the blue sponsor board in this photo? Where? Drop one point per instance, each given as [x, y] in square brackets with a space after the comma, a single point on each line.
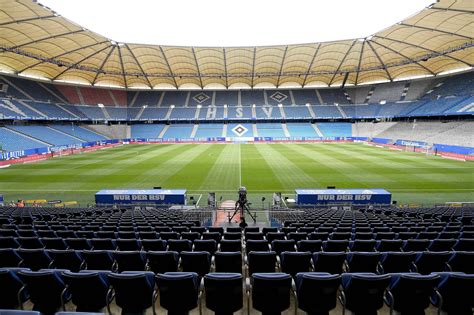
[150, 196]
[342, 196]
[1, 200]
[416, 144]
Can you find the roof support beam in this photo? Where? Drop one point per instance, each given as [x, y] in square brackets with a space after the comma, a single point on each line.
[139, 66]
[29, 20]
[63, 54]
[281, 67]
[123, 68]
[253, 65]
[197, 66]
[342, 61]
[103, 64]
[311, 64]
[360, 61]
[380, 60]
[424, 48]
[169, 67]
[225, 68]
[449, 9]
[406, 57]
[80, 61]
[47, 37]
[434, 30]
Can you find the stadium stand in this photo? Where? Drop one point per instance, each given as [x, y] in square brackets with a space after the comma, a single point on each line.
[70, 93]
[358, 95]
[140, 98]
[247, 131]
[275, 97]
[33, 89]
[270, 130]
[52, 111]
[268, 112]
[175, 98]
[326, 111]
[93, 96]
[333, 96]
[154, 113]
[443, 98]
[320, 271]
[183, 113]
[118, 113]
[203, 98]
[301, 130]
[303, 97]
[297, 112]
[46, 134]
[243, 112]
[79, 132]
[335, 129]
[209, 130]
[455, 133]
[211, 113]
[179, 131]
[388, 93]
[146, 131]
[251, 97]
[12, 141]
[229, 98]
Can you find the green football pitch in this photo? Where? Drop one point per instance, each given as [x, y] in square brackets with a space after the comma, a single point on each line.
[222, 168]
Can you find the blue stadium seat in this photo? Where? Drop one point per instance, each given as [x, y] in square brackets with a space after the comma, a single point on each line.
[316, 292]
[178, 291]
[224, 292]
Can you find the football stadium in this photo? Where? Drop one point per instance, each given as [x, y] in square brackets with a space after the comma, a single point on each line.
[330, 177]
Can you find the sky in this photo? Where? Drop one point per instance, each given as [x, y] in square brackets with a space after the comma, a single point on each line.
[235, 22]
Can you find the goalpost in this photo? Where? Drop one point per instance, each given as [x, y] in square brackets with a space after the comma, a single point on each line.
[426, 149]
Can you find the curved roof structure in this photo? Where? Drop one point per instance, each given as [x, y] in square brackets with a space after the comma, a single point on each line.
[35, 41]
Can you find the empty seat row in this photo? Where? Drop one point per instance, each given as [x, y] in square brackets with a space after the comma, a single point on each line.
[201, 262]
[361, 245]
[181, 292]
[156, 261]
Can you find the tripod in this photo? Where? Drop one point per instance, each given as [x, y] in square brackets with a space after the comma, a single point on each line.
[242, 206]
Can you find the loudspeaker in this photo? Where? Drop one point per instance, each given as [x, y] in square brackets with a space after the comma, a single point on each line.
[158, 187]
[331, 187]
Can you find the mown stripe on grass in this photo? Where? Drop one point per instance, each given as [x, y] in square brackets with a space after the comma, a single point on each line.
[288, 173]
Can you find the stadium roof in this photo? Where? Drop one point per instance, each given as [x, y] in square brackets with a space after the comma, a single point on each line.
[35, 41]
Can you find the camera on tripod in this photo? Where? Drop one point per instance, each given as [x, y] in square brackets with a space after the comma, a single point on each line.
[243, 195]
[242, 205]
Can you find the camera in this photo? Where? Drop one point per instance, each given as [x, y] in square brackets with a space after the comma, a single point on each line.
[243, 195]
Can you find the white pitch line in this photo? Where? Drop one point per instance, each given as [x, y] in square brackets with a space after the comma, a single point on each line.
[240, 166]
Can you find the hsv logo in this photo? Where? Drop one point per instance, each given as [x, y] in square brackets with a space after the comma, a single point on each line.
[239, 130]
[278, 96]
[201, 97]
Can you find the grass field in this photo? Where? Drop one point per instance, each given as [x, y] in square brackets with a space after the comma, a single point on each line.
[262, 168]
